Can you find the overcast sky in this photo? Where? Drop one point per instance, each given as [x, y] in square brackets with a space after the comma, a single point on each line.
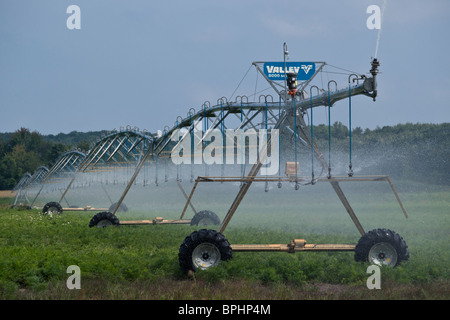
[143, 63]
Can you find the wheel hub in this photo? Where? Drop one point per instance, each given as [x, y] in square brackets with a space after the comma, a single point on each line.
[104, 223]
[383, 253]
[205, 222]
[205, 255]
[52, 210]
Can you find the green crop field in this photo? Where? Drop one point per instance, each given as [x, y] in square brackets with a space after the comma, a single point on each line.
[141, 262]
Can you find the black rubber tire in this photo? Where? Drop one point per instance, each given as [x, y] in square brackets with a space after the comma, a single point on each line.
[122, 207]
[205, 218]
[103, 216]
[49, 205]
[197, 238]
[378, 236]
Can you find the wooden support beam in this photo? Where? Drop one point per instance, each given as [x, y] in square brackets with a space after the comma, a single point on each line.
[347, 206]
[155, 221]
[291, 248]
[88, 208]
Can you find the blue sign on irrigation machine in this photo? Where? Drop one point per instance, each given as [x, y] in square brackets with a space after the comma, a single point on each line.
[277, 70]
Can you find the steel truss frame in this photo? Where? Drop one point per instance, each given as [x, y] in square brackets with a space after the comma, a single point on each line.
[117, 149]
[368, 88]
[64, 167]
[273, 115]
[132, 146]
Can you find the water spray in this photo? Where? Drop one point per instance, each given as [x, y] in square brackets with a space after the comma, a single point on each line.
[379, 30]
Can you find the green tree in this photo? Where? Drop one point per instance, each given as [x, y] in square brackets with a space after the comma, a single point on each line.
[24, 152]
[8, 173]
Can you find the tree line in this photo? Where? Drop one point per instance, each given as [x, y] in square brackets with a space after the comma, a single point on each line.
[24, 151]
[416, 152]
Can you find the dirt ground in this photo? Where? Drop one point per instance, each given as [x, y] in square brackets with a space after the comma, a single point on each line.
[7, 194]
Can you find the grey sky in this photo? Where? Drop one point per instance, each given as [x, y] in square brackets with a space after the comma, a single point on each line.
[143, 63]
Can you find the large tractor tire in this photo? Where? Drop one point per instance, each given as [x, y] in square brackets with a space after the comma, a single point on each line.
[51, 208]
[203, 249]
[382, 247]
[103, 220]
[205, 218]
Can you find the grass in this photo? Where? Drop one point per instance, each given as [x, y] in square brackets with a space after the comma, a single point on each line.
[140, 262]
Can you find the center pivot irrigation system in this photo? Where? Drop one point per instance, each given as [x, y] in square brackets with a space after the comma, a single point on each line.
[206, 248]
[296, 97]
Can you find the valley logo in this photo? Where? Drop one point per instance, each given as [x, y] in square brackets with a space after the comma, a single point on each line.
[306, 68]
[278, 71]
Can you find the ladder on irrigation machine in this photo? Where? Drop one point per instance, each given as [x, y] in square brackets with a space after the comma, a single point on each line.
[205, 248]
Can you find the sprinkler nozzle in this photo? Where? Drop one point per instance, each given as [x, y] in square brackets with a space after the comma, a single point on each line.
[375, 64]
[374, 71]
